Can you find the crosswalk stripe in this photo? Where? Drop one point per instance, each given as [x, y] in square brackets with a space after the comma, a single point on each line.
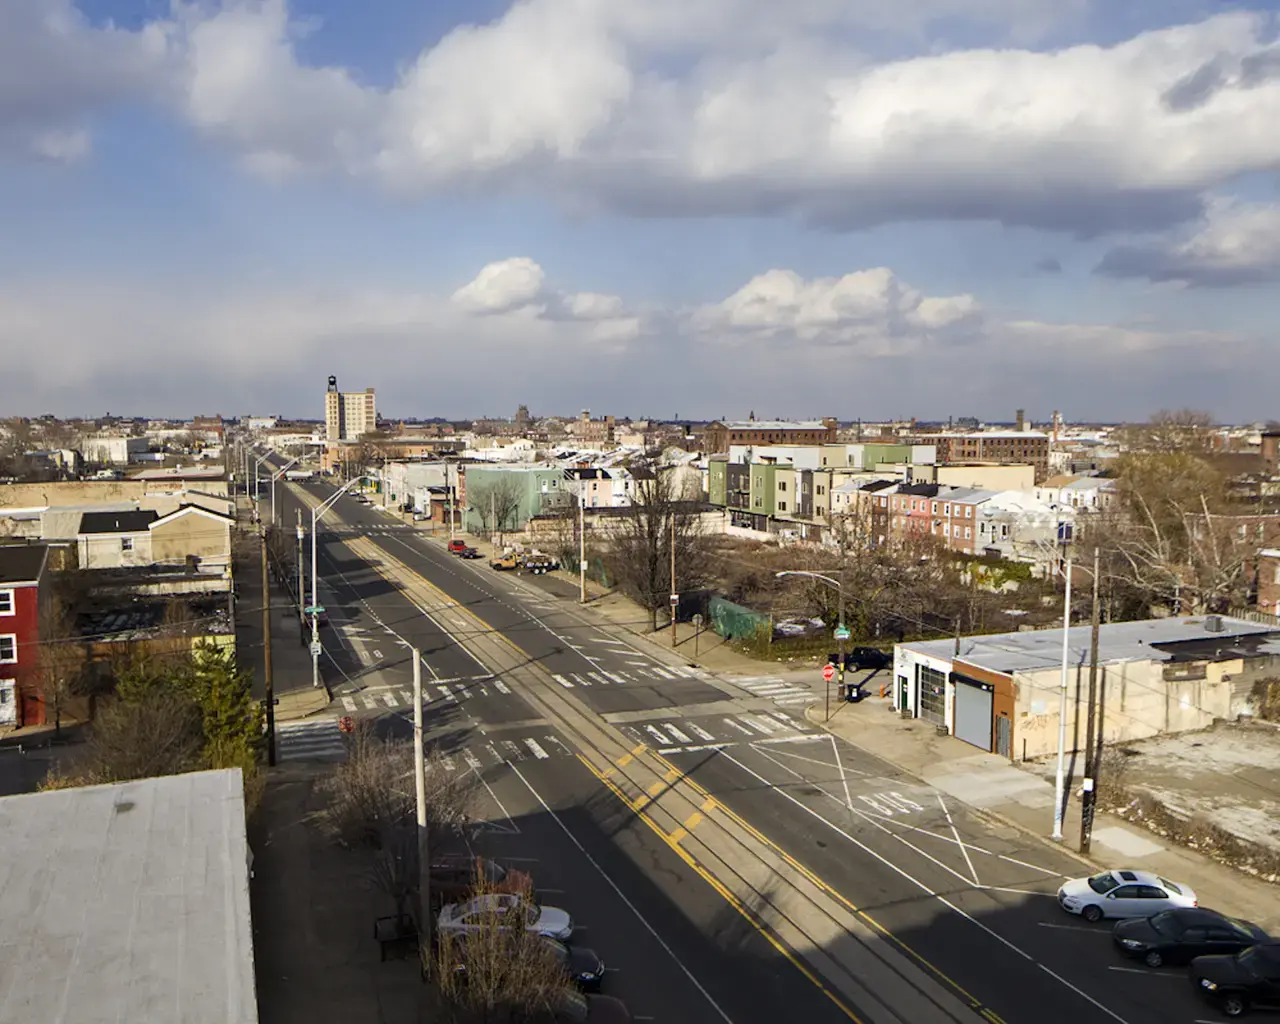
[389, 699]
[579, 680]
[791, 701]
[502, 687]
[538, 752]
[349, 703]
[513, 752]
[471, 759]
[662, 672]
[760, 724]
[369, 702]
[701, 733]
[765, 691]
[406, 696]
[596, 677]
[563, 682]
[737, 725]
[447, 761]
[656, 733]
[612, 677]
[681, 737]
[447, 694]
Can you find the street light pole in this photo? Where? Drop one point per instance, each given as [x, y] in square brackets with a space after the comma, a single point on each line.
[1060, 777]
[275, 519]
[316, 512]
[582, 547]
[420, 795]
[839, 586]
[302, 618]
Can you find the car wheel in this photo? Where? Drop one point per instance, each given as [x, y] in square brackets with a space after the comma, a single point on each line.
[1233, 1005]
[1092, 912]
[1154, 959]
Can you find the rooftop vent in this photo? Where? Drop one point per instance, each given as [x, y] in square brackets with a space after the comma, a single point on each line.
[1213, 623]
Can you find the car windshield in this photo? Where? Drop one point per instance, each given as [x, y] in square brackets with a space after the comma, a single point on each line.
[1175, 889]
[1167, 923]
[1103, 883]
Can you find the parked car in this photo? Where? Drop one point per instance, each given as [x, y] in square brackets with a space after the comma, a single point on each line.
[1178, 936]
[505, 563]
[419, 517]
[457, 546]
[1242, 982]
[583, 965]
[549, 922]
[1123, 894]
[470, 553]
[871, 657]
[575, 1008]
[453, 879]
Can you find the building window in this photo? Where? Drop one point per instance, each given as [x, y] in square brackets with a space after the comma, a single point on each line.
[968, 511]
[946, 509]
[968, 534]
[7, 686]
[782, 485]
[946, 529]
[6, 602]
[782, 506]
[8, 649]
[933, 507]
[932, 705]
[126, 543]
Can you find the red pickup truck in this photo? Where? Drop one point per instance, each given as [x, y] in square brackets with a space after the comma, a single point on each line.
[456, 547]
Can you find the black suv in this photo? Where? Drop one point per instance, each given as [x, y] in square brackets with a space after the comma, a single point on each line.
[870, 657]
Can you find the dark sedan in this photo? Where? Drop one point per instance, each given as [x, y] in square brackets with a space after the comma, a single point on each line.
[870, 657]
[583, 965]
[1178, 936]
[470, 553]
[1242, 982]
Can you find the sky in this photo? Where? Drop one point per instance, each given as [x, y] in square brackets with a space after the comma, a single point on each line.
[657, 208]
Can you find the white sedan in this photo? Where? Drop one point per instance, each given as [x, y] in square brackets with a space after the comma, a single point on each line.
[508, 911]
[1123, 894]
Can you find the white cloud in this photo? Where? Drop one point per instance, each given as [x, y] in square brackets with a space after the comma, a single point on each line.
[518, 286]
[1082, 139]
[1235, 243]
[503, 287]
[867, 306]
[703, 106]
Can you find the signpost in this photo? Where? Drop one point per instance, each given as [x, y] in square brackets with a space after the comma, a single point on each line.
[828, 672]
[316, 649]
[842, 633]
[697, 628]
[314, 609]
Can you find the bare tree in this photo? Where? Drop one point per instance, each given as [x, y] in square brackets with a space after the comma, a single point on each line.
[371, 803]
[664, 510]
[496, 973]
[497, 502]
[1168, 432]
[60, 667]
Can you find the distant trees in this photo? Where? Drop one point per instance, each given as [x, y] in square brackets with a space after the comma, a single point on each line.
[497, 503]
[1169, 432]
[60, 669]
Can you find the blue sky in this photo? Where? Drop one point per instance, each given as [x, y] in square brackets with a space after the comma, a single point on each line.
[831, 207]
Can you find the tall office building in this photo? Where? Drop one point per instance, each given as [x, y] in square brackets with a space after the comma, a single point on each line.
[348, 415]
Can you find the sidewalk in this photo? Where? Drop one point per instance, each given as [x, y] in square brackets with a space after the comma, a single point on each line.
[1002, 791]
[290, 656]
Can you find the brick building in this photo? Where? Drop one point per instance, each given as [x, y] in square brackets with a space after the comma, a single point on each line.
[1003, 447]
[719, 436]
[23, 593]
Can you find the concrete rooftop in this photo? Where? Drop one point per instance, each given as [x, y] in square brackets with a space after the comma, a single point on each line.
[127, 902]
[1039, 649]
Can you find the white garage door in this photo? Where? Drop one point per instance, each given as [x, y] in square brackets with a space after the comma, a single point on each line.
[973, 713]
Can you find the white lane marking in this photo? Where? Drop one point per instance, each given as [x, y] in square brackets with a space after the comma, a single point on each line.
[632, 734]
[548, 740]
[661, 672]
[923, 887]
[760, 725]
[612, 677]
[955, 832]
[470, 758]
[406, 696]
[657, 734]
[390, 699]
[501, 686]
[447, 694]
[538, 752]
[579, 679]
[773, 716]
[642, 664]
[563, 682]
[681, 737]
[497, 758]
[448, 762]
[806, 738]
[608, 640]
[370, 703]
[700, 732]
[596, 677]
[741, 728]
[844, 779]
[693, 749]
[348, 703]
[765, 691]
[622, 896]
[795, 700]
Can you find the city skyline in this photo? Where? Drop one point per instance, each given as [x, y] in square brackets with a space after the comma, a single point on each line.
[946, 209]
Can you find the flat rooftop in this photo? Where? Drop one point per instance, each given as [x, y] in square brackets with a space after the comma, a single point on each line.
[1035, 650]
[127, 902]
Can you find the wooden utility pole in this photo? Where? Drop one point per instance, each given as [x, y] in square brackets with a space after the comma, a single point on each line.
[420, 796]
[675, 598]
[1090, 755]
[266, 655]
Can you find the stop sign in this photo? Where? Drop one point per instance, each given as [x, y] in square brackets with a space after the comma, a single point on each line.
[828, 672]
